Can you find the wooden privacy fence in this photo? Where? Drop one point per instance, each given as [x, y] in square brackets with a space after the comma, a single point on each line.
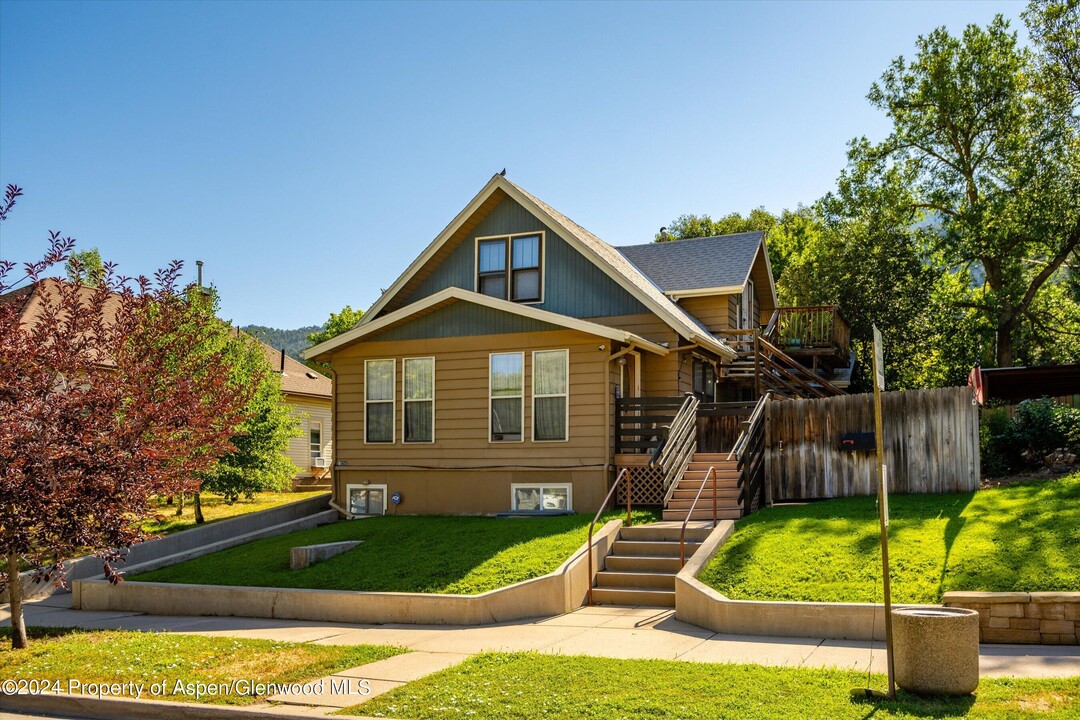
[931, 444]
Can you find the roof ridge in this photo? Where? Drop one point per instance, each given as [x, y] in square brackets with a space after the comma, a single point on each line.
[673, 241]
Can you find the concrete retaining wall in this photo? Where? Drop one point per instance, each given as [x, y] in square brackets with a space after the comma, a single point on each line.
[553, 594]
[196, 541]
[699, 604]
[1038, 618]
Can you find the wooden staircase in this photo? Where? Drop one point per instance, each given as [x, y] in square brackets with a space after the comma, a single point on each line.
[725, 481]
[644, 561]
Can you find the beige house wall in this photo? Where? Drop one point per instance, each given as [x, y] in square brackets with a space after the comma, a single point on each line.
[310, 410]
[462, 472]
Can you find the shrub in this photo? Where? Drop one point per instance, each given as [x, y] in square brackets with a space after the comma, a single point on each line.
[1037, 428]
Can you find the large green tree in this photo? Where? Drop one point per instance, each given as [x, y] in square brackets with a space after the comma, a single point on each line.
[984, 150]
[258, 462]
[336, 324]
[85, 267]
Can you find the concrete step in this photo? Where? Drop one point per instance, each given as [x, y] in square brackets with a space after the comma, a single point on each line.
[614, 578]
[633, 596]
[703, 514]
[652, 548]
[668, 532]
[643, 563]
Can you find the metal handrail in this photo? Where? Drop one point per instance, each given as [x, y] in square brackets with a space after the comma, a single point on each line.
[592, 525]
[693, 505]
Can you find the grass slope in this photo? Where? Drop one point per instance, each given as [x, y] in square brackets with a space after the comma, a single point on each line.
[400, 554]
[121, 656]
[1014, 538]
[524, 686]
[215, 508]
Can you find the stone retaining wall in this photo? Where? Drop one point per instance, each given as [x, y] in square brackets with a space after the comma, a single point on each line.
[1038, 618]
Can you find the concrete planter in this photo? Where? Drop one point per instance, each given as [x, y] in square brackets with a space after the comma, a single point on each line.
[936, 650]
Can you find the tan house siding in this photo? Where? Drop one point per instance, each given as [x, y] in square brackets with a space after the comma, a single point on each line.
[462, 472]
[713, 310]
[308, 410]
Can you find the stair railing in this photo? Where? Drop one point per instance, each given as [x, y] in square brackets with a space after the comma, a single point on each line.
[749, 454]
[589, 550]
[693, 505]
[679, 446]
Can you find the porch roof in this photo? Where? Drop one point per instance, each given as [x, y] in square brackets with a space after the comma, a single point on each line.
[456, 294]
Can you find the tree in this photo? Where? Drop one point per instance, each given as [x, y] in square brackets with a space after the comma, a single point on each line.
[108, 397]
[86, 268]
[985, 149]
[1054, 28]
[257, 463]
[336, 324]
[785, 232]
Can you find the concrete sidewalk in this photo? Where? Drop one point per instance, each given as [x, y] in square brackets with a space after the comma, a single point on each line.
[602, 631]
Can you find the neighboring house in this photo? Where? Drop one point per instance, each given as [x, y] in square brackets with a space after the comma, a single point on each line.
[309, 394]
[520, 361]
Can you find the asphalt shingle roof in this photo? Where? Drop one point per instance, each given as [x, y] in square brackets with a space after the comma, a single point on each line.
[710, 262]
[613, 257]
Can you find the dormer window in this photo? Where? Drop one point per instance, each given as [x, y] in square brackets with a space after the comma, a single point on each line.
[508, 267]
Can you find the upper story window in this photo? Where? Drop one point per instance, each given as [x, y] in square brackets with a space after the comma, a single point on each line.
[509, 267]
[379, 384]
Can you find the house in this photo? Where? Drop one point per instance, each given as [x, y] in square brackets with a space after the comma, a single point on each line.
[521, 364]
[309, 394]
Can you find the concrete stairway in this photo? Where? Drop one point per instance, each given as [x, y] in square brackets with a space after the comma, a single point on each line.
[727, 491]
[643, 563]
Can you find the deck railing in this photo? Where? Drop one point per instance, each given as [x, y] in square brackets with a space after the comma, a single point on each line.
[811, 328]
[679, 445]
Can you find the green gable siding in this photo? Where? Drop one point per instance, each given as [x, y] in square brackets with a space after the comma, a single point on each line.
[572, 284]
[462, 319]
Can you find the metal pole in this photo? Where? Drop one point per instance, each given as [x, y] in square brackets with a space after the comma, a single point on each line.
[883, 505]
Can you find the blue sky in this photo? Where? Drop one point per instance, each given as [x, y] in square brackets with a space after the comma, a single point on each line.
[308, 152]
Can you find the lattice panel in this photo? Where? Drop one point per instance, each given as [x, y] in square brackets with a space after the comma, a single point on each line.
[646, 485]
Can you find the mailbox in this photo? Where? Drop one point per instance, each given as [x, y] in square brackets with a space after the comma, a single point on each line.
[857, 442]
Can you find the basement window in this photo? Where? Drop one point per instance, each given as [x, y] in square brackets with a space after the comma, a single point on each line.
[510, 267]
[541, 497]
[366, 499]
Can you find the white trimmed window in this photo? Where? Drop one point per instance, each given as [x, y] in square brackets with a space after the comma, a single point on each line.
[418, 400]
[541, 497]
[506, 397]
[551, 387]
[366, 499]
[510, 267]
[379, 384]
[315, 440]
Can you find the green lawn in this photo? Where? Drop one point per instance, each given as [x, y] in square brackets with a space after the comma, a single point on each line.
[121, 656]
[400, 554]
[215, 508]
[524, 686]
[1014, 538]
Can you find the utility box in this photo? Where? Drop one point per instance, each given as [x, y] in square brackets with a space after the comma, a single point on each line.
[857, 442]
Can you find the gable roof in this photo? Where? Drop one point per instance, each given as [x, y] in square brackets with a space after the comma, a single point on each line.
[596, 250]
[720, 262]
[296, 377]
[456, 294]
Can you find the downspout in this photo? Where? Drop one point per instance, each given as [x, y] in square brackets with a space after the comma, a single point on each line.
[334, 439]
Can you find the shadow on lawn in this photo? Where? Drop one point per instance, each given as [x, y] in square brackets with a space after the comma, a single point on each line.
[908, 704]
